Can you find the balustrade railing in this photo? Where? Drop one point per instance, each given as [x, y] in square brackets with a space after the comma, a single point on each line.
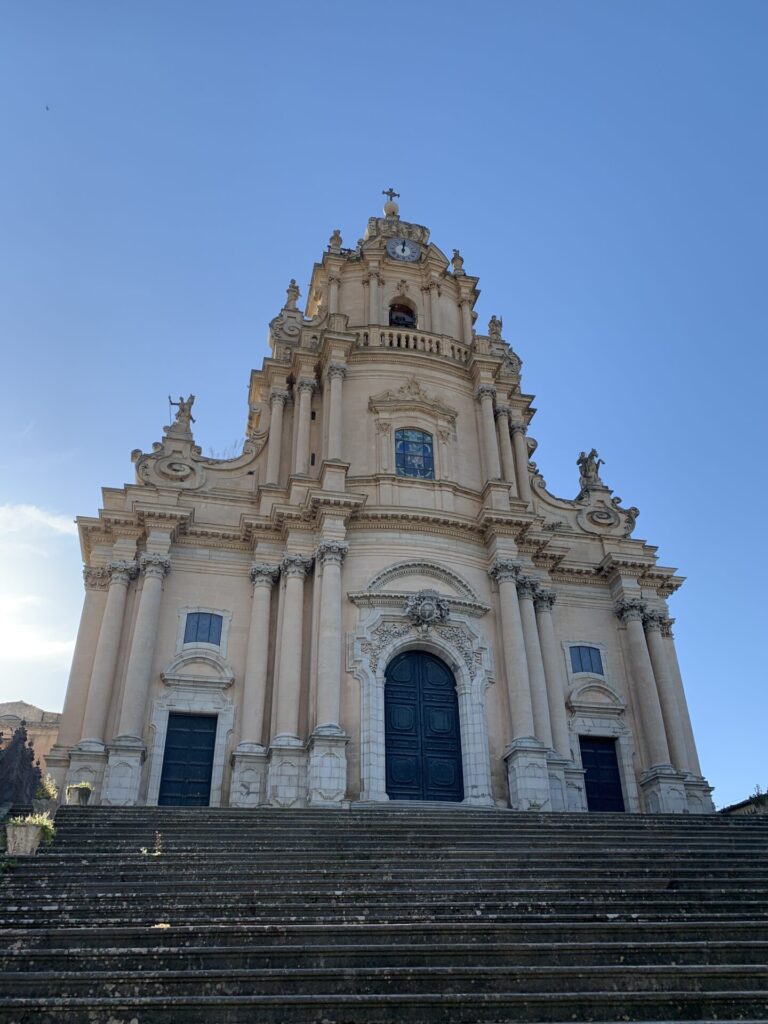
[415, 341]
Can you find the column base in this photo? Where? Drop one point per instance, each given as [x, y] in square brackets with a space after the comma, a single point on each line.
[575, 788]
[698, 793]
[249, 775]
[87, 762]
[57, 765]
[328, 768]
[287, 773]
[122, 778]
[663, 789]
[558, 793]
[527, 775]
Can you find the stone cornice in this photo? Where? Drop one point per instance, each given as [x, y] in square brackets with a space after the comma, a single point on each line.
[396, 599]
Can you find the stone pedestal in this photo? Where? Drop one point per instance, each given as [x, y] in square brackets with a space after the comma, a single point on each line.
[698, 794]
[575, 788]
[249, 775]
[287, 773]
[528, 775]
[558, 793]
[663, 790]
[87, 762]
[122, 778]
[328, 769]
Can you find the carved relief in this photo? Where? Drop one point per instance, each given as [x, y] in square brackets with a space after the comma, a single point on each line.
[426, 609]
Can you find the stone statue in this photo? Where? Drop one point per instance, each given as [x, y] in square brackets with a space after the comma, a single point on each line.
[589, 467]
[293, 293]
[457, 262]
[494, 327]
[184, 415]
[334, 242]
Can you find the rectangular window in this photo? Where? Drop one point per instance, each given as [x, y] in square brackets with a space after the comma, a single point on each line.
[587, 659]
[203, 628]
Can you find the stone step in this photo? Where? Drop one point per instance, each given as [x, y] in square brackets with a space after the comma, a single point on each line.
[412, 1008]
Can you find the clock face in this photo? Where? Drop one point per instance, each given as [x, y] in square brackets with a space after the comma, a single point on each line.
[403, 249]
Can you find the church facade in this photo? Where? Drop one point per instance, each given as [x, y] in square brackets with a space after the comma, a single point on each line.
[379, 599]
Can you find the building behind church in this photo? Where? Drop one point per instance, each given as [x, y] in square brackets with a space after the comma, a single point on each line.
[379, 599]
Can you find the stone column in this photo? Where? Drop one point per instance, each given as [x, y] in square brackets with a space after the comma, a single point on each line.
[526, 758]
[553, 671]
[652, 621]
[126, 750]
[660, 782]
[466, 321]
[336, 374]
[521, 461]
[304, 389]
[277, 400]
[485, 395]
[434, 307]
[669, 641]
[426, 305]
[287, 774]
[333, 294]
[327, 759]
[105, 661]
[373, 296]
[505, 446]
[526, 589]
[249, 761]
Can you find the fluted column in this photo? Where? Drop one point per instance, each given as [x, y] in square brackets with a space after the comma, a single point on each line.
[304, 389]
[336, 374]
[505, 446]
[103, 672]
[631, 611]
[295, 569]
[434, 307]
[466, 321]
[277, 400]
[330, 554]
[669, 641]
[139, 671]
[553, 671]
[520, 448]
[257, 655]
[652, 621]
[505, 572]
[333, 294]
[485, 395]
[526, 589]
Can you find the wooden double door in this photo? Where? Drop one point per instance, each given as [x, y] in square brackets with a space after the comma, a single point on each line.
[188, 761]
[422, 733]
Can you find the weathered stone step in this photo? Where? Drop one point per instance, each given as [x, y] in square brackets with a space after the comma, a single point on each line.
[415, 1008]
[513, 955]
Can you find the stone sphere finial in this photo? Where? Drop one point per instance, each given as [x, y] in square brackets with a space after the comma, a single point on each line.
[391, 209]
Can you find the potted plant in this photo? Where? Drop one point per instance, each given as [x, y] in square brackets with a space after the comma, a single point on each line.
[24, 835]
[46, 798]
[79, 793]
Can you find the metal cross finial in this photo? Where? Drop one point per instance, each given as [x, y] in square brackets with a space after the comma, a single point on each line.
[391, 193]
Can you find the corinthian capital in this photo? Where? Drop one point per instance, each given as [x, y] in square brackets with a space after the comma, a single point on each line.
[485, 391]
[153, 564]
[278, 396]
[502, 410]
[519, 428]
[544, 600]
[296, 565]
[305, 384]
[653, 620]
[504, 569]
[95, 579]
[629, 609]
[264, 575]
[336, 370]
[526, 587]
[331, 551]
[122, 572]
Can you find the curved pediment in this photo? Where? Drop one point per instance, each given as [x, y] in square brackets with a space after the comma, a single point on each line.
[594, 695]
[200, 667]
[395, 584]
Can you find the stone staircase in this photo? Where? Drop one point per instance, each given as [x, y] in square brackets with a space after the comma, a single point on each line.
[399, 915]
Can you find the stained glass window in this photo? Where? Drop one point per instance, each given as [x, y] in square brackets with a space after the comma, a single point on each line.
[413, 454]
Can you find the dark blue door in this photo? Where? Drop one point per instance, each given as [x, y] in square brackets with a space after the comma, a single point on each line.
[188, 760]
[423, 739]
[602, 779]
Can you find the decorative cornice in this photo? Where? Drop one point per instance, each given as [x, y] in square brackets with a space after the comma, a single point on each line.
[296, 565]
[153, 564]
[630, 609]
[505, 570]
[396, 598]
[264, 575]
[331, 551]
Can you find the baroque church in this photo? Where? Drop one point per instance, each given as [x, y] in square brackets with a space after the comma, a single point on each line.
[379, 599]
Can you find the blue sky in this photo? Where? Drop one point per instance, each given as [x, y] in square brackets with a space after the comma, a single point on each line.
[167, 167]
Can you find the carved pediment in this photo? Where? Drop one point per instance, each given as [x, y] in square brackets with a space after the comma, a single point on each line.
[411, 396]
[397, 584]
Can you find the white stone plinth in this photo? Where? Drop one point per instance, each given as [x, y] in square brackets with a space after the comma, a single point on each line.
[575, 788]
[287, 774]
[663, 790]
[528, 775]
[698, 793]
[249, 776]
[122, 778]
[87, 762]
[328, 769]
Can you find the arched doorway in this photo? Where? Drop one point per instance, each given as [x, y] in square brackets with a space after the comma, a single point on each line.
[422, 734]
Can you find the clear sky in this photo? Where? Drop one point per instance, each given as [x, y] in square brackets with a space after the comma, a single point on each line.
[167, 167]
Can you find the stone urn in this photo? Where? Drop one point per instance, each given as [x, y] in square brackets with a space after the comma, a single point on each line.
[22, 840]
[79, 795]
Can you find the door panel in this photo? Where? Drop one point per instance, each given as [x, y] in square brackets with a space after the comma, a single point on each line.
[602, 778]
[188, 761]
[423, 738]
